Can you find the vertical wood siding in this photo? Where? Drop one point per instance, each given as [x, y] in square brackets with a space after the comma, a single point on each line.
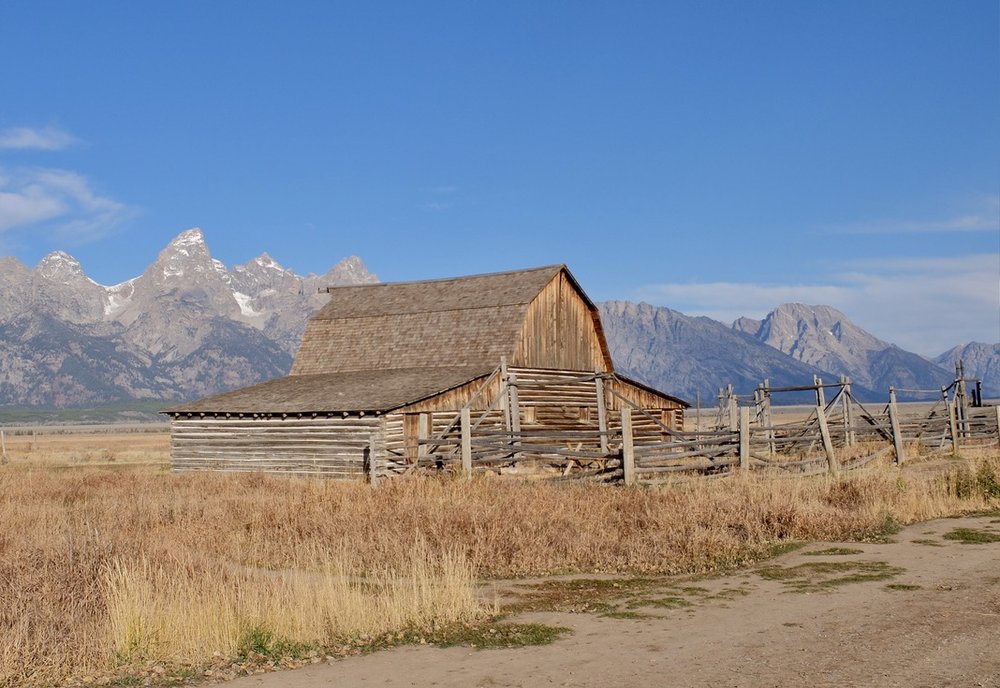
[559, 331]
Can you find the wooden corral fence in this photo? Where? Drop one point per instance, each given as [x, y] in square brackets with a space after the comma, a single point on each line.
[631, 445]
[522, 431]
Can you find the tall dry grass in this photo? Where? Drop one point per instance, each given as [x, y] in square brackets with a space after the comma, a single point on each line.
[190, 612]
[99, 567]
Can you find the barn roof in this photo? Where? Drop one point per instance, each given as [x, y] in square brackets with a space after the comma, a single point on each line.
[369, 390]
[517, 287]
[464, 321]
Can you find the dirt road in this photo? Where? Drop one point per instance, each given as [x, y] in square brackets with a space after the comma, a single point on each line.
[923, 610]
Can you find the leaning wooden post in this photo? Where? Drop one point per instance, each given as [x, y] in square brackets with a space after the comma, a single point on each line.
[745, 438]
[824, 431]
[3, 448]
[997, 409]
[897, 433]
[628, 448]
[467, 442]
[602, 412]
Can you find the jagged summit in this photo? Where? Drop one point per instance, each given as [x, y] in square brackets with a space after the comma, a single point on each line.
[189, 237]
[264, 260]
[350, 270]
[59, 266]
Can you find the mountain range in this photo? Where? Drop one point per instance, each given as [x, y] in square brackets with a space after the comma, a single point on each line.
[188, 326]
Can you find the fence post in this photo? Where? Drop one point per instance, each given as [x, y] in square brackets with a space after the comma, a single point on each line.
[733, 415]
[745, 438]
[3, 448]
[897, 433]
[467, 442]
[628, 449]
[425, 424]
[961, 400]
[998, 421]
[766, 422]
[505, 393]
[515, 415]
[953, 424]
[849, 435]
[602, 412]
[824, 431]
[370, 457]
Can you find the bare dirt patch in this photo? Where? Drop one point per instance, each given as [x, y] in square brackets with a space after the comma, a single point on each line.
[900, 614]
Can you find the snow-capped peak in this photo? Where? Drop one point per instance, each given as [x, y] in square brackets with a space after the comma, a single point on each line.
[187, 250]
[58, 266]
[266, 261]
[190, 237]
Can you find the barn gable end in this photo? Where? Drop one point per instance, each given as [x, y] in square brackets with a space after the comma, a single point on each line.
[562, 330]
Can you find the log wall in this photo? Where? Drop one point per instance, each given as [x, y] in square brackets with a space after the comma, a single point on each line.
[331, 446]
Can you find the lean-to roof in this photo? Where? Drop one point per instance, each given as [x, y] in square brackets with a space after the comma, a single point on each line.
[369, 391]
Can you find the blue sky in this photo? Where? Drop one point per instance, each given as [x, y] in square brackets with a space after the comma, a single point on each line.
[715, 157]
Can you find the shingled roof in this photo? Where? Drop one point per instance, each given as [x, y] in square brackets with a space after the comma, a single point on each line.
[464, 321]
[369, 390]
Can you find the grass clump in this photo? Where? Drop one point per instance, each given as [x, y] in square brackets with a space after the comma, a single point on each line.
[260, 642]
[669, 602]
[983, 480]
[834, 552]
[907, 587]
[972, 536]
[496, 634]
[826, 575]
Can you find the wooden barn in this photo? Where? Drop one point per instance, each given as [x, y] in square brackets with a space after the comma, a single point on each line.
[501, 373]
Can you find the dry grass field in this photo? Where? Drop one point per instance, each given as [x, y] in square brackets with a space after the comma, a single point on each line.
[112, 568]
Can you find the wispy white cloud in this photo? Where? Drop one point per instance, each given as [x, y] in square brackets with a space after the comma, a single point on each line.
[46, 138]
[985, 216]
[925, 305]
[58, 201]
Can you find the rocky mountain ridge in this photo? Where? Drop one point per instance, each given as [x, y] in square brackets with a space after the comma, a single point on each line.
[695, 356]
[188, 326]
[824, 337]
